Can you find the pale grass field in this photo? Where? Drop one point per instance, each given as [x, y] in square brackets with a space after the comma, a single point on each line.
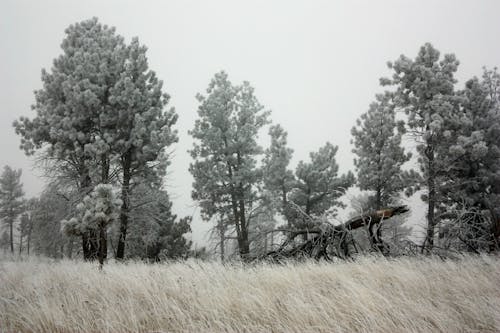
[368, 295]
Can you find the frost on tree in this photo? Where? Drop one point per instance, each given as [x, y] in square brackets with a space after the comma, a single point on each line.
[472, 178]
[278, 178]
[425, 92]
[71, 127]
[11, 199]
[96, 212]
[101, 117]
[379, 154]
[225, 153]
[319, 186]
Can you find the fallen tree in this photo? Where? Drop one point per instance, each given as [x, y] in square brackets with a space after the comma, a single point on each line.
[327, 241]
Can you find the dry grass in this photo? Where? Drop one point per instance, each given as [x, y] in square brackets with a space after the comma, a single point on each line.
[369, 295]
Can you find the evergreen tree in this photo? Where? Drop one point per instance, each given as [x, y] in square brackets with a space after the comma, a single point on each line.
[26, 224]
[225, 153]
[425, 91]
[377, 142]
[47, 238]
[319, 187]
[473, 153]
[278, 178]
[143, 129]
[72, 123]
[155, 232]
[101, 117]
[97, 211]
[11, 199]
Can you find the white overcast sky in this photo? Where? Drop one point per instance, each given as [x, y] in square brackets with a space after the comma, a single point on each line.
[315, 64]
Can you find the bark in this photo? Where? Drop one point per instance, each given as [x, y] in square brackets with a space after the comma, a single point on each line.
[28, 240]
[102, 244]
[89, 246]
[431, 203]
[102, 247]
[20, 244]
[222, 239]
[125, 209]
[245, 249]
[11, 229]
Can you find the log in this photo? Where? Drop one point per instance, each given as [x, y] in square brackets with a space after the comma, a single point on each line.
[329, 239]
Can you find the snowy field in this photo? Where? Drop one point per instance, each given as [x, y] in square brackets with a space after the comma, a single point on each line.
[368, 295]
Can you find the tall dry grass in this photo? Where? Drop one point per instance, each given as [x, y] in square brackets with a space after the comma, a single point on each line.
[369, 295]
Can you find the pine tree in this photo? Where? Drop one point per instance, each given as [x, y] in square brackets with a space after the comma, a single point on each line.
[54, 204]
[11, 199]
[143, 129]
[101, 117]
[377, 145]
[71, 122]
[278, 178]
[425, 91]
[225, 153]
[473, 173]
[97, 211]
[319, 187]
[155, 232]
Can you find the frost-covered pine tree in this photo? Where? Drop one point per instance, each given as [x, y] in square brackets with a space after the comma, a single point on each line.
[96, 212]
[425, 91]
[53, 205]
[155, 232]
[319, 186]
[225, 153]
[71, 126]
[143, 129]
[379, 154]
[473, 154]
[278, 178]
[11, 199]
[101, 117]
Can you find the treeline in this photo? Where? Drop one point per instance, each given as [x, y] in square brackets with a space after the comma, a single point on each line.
[455, 132]
[103, 129]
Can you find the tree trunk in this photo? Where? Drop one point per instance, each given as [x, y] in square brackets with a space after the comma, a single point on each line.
[102, 244]
[431, 203]
[124, 213]
[11, 228]
[93, 245]
[89, 246]
[70, 248]
[245, 249]
[28, 240]
[20, 243]
[222, 239]
[85, 246]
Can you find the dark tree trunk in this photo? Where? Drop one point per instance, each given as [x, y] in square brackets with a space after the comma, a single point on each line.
[89, 241]
[431, 203]
[20, 243]
[28, 240]
[93, 245]
[11, 228]
[374, 229]
[222, 235]
[70, 248]
[245, 249]
[102, 244]
[124, 213]
[85, 247]
[102, 247]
